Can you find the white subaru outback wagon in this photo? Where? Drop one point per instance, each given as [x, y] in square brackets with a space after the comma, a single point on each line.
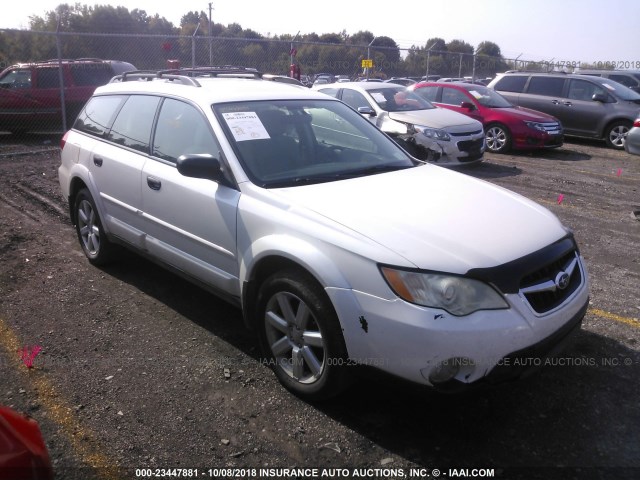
[340, 248]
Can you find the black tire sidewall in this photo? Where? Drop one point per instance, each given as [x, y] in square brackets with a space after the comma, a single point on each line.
[334, 377]
[104, 251]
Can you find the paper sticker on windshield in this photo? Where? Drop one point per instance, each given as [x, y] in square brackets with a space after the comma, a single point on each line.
[610, 87]
[378, 97]
[245, 126]
[476, 94]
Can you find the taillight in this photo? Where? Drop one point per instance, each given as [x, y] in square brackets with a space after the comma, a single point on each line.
[63, 141]
[637, 123]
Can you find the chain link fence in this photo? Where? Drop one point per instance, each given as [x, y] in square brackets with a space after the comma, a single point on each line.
[157, 52]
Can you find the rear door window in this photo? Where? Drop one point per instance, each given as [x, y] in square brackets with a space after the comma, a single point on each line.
[451, 96]
[428, 93]
[547, 86]
[48, 78]
[132, 126]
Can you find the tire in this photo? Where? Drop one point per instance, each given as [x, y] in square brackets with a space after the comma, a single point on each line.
[498, 138]
[95, 245]
[300, 336]
[616, 133]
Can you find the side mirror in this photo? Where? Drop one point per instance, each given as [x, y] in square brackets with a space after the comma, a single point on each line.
[468, 105]
[599, 97]
[367, 111]
[202, 165]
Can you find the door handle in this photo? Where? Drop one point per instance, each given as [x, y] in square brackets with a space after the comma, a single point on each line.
[568, 104]
[555, 102]
[154, 183]
[97, 161]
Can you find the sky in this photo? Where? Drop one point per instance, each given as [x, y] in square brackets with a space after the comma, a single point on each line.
[552, 30]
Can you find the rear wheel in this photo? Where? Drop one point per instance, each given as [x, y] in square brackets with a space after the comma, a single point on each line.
[95, 245]
[300, 336]
[498, 138]
[616, 133]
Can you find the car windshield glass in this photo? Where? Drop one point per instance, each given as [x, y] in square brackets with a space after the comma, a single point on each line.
[620, 91]
[400, 99]
[488, 97]
[297, 142]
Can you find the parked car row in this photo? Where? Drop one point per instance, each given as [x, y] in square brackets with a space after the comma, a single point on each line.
[587, 106]
[506, 126]
[425, 131]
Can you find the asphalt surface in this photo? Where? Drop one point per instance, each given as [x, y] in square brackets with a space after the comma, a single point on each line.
[141, 370]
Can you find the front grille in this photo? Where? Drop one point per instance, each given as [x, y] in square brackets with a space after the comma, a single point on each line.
[465, 134]
[471, 145]
[547, 288]
[552, 128]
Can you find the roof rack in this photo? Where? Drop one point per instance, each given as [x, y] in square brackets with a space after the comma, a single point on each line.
[215, 71]
[150, 75]
[185, 76]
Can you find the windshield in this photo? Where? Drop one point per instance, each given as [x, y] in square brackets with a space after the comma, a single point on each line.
[488, 98]
[620, 91]
[299, 142]
[392, 99]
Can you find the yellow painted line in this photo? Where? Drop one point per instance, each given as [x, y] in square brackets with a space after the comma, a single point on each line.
[634, 322]
[82, 441]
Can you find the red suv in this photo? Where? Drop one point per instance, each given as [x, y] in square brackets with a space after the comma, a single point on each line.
[30, 92]
[506, 126]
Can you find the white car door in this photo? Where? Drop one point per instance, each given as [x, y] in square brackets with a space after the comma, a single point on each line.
[190, 223]
[115, 170]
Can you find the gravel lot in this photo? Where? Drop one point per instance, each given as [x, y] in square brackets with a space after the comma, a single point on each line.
[132, 371]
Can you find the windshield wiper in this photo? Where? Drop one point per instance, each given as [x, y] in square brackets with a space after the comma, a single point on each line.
[374, 170]
[312, 179]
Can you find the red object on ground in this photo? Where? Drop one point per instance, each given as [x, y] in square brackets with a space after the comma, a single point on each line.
[23, 454]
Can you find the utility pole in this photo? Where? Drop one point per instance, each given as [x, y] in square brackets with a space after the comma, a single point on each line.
[210, 48]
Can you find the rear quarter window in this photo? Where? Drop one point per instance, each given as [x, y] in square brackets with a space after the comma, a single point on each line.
[98, 113]
[511, 83]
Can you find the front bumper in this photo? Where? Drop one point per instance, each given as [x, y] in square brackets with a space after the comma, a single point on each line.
[413, 342]
[459, 150]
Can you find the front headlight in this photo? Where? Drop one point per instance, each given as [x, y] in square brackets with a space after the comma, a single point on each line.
[535, 126]
[434, 133]
[457, 295]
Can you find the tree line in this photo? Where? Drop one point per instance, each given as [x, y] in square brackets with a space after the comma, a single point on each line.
[149, 41]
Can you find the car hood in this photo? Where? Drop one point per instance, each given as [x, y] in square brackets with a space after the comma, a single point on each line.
[526, 114]
[435, 118]
[434, 218]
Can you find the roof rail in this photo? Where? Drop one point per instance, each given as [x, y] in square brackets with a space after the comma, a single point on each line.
[150, 75]
[215, 71]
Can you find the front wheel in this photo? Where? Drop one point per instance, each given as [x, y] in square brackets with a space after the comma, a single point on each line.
[300, 336]
[93, 240]
[616, 134]
[498, 138]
